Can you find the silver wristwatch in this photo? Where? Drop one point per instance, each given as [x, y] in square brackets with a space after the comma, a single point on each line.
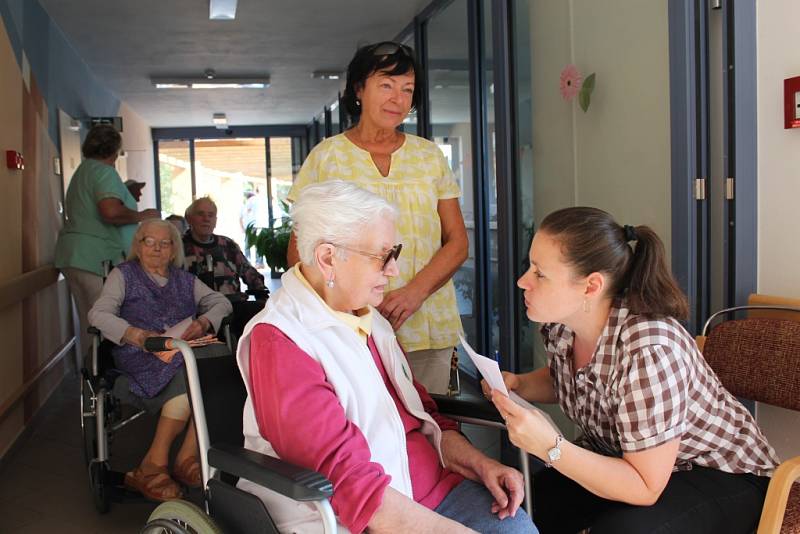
[554, 454]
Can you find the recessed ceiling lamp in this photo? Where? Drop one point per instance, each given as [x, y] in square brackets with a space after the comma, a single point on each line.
[326, 75]
[222, 9]
[210, 80]
[220, 121]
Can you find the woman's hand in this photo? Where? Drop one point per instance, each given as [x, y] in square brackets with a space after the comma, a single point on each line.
[511, 381]
[400, 304]
[136, 336]
[506, 485]
[196, 329]
[527, 429]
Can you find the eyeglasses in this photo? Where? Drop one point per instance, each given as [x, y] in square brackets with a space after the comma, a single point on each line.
[385, 258]
[390, 48]
[150, 242]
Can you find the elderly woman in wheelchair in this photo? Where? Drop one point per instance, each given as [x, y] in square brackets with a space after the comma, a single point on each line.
[142, 298]
[330, 389]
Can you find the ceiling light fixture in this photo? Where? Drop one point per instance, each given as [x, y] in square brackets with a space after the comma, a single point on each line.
[222, 9]
[326, 75]
[220, 121]
[210, 81]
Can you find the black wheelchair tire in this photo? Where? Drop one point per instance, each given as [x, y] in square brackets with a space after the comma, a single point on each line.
[98, 482]
[88, 425]
[178, 517]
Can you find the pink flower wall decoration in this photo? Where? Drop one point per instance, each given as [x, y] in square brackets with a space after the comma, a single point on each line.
[570, 82]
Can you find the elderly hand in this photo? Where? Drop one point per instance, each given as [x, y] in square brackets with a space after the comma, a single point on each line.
[527, 429]
[136, 336]
[400, 304]
[506, 485]
[196, 329]
[511, 381]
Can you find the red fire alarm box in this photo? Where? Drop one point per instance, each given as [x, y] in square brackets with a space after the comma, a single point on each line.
[14, 160]
[791, 102]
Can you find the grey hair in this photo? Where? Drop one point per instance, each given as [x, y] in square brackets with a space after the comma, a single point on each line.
[197, 201]
[334, 212]
[177, 242]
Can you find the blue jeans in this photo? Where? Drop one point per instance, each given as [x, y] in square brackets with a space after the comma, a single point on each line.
[470, 504]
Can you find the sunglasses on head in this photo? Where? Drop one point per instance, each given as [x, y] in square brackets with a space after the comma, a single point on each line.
[390, 48]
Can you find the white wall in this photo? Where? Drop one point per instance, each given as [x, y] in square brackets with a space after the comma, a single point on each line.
[137, 141]
[778, 185]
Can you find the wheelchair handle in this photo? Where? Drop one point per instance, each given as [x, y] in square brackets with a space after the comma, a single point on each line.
[158, 344]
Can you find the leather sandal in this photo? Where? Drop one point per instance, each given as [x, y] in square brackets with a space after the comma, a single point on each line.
[188, 472]
[154, 482]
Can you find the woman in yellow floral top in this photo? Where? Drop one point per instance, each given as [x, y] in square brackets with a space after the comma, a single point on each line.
[411, 173]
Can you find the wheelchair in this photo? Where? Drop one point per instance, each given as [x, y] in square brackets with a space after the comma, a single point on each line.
[217, 395]
[104, 411]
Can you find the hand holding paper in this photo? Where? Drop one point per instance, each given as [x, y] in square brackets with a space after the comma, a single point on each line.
[490, 370]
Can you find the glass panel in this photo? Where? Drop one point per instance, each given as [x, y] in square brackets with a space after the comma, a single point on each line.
[321, 126]
[281, 175]
[410, 122]
[228, 170]
[336, 126]
[490, 164]
[175, 176]
[448, 72]
[523, 189]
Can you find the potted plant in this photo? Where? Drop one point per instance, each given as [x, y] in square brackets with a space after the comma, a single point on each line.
[272, 243]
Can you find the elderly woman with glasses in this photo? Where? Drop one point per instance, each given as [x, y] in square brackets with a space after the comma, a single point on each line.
[412, 174]
[330, 389]
[141, 298]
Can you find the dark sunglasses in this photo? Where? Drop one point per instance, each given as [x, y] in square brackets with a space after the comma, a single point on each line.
[385, 258]
[390, 48]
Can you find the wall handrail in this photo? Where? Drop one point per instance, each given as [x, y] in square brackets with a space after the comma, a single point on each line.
[26, 284]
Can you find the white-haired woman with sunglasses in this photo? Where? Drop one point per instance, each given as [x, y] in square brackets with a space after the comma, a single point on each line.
[330, 389]
[141, 298]
[412, 174]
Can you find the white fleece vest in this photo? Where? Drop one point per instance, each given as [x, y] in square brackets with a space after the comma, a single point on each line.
[350, 369]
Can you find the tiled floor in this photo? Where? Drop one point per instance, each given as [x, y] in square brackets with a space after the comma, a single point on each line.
[44, 485]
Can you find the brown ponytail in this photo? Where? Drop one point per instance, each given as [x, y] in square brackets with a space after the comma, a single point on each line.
[592, 241]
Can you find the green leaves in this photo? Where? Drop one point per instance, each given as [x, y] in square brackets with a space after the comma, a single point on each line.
[585, 94]
[271, 243]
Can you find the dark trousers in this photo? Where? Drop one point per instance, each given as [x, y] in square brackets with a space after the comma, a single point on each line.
[701, 500]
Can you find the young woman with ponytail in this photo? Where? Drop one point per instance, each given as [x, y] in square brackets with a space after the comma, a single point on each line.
[663, 446]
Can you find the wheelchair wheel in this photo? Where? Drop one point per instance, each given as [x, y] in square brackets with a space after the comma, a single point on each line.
[180, 517]
[98, 483]
[88, 423]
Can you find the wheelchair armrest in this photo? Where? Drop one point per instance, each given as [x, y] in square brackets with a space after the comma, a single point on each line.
[468, 406]
[94, 331]
[273, 473]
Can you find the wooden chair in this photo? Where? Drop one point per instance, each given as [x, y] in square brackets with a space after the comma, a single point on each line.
[758, 358]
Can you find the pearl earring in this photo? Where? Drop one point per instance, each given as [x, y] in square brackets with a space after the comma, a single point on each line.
[586, 305]
[330, 283]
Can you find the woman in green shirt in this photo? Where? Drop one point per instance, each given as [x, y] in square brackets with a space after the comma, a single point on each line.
[100, 223]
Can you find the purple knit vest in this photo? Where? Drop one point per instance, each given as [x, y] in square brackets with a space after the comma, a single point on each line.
[150, 307]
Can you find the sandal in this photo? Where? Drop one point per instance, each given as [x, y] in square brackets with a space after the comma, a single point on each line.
[154, 482]
[188, 472]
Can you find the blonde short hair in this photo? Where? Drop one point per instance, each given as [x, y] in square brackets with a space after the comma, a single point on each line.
[177, 241]
[335, 211]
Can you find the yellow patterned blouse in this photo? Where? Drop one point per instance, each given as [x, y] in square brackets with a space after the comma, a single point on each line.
[418, 178]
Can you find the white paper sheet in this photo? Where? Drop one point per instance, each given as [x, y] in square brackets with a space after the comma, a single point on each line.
[490, 371]
[178, 329]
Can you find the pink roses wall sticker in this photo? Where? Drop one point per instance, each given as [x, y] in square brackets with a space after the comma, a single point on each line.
[572, 83]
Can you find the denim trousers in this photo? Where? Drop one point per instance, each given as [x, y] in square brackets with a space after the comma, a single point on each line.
[470, 504]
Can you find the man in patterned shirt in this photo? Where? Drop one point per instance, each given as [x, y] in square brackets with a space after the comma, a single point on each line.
[218, 261]
[664, 446]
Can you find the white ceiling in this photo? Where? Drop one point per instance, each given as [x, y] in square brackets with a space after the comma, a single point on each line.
[126, 42]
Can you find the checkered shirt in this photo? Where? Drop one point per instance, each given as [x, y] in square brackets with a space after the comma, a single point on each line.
[648, 384]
